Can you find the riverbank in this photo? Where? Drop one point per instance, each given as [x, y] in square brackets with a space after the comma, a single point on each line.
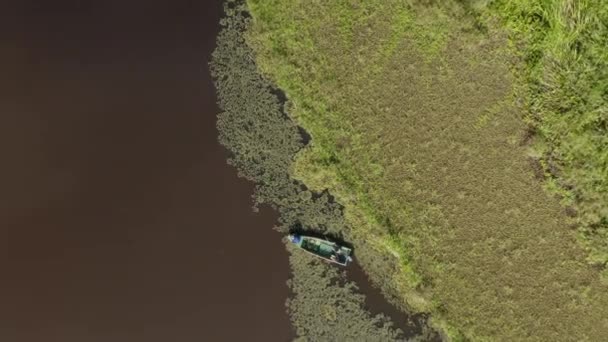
[417, 126]
[263, 141]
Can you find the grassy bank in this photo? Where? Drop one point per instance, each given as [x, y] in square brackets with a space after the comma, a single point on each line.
[263, 142]
[419, 130]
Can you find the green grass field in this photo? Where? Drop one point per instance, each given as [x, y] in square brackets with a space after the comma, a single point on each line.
[419, 116]
[565, 72]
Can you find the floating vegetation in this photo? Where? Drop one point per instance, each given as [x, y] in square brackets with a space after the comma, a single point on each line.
[262, 140]
[326, 307]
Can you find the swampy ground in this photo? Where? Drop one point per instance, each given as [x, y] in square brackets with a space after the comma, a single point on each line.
[466, 142]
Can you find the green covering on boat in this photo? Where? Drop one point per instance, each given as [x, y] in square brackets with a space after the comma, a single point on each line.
[322, 248]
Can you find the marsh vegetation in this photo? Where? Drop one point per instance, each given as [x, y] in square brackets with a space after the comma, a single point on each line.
[564, 79]
[427, 121]
[263, 142]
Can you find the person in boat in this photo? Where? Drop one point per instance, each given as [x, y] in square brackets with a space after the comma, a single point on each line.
[295, 238]
[337, 254]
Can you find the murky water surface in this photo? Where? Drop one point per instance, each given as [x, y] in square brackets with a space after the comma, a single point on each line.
[119, 218]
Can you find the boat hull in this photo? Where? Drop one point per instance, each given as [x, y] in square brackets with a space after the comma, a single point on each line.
[324, 249]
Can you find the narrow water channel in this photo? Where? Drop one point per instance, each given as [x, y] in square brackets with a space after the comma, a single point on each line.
[119, 218]
[376, 303]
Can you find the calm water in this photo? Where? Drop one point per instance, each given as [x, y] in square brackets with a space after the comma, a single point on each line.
[119, 218]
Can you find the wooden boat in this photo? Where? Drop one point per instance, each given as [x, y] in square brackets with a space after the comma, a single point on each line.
[324, 249]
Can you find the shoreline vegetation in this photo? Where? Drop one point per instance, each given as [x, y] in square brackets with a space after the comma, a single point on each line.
[466, 143]
[263, 142]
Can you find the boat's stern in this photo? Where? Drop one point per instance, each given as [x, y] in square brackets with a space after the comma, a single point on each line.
[294, 238]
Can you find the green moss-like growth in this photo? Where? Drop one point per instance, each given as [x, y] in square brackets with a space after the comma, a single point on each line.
[326, 307]
[261, 138]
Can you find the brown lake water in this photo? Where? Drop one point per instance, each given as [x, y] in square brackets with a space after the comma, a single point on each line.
[119, 218]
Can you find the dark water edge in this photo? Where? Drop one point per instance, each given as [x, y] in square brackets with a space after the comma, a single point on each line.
[119, 217]
[411, 325]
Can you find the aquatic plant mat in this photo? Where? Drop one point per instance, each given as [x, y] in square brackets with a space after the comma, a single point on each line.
[420, 118]
[326, 307]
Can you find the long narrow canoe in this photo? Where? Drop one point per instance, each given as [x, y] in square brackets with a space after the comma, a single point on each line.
[321, 248]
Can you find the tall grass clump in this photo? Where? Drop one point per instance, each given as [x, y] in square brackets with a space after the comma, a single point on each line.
[565, 76]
